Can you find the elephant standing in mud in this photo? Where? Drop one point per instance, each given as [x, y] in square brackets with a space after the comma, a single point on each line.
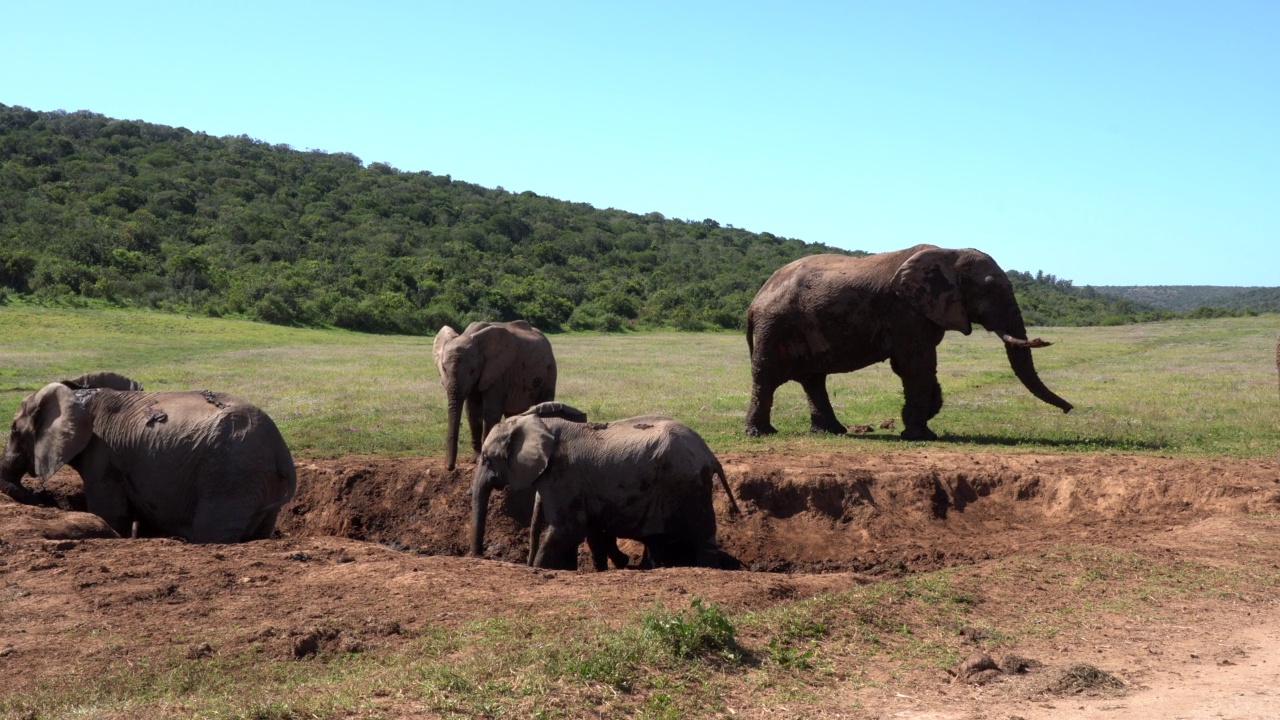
[646, 478]
[204, 466]
[497, 370]
[828, 314]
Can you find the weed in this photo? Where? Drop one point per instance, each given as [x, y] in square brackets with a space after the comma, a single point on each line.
[703, 631]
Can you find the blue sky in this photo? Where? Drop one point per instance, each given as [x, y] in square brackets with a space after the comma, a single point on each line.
[1110, 143]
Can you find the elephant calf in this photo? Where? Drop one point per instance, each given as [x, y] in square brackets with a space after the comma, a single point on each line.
[204, 466]
[646, 478]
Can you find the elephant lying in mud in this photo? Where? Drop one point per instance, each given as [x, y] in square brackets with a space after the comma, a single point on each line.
[204, 466]
[646, 478]
[828, 314]
[497, 370]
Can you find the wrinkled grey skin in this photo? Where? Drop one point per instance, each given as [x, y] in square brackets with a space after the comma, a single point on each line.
[831, 314]
[204, 466]
[497, 370]
[604, 547]
[646, 478]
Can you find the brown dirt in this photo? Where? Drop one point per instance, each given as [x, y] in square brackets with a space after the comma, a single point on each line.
[373, 546]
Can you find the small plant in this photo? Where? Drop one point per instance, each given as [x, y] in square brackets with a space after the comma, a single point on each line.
[704, 631]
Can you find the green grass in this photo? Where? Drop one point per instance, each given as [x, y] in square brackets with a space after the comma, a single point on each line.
[1177, 387]
[668, 662]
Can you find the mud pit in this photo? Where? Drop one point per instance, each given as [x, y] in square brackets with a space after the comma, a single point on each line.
[372, 549]
[820, 513]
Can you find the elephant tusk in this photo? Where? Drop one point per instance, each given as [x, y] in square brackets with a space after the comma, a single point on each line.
[1015, 342]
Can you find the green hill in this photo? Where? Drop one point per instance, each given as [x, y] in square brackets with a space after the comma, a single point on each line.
[95, 210]
[132, 213]
[1189, 298]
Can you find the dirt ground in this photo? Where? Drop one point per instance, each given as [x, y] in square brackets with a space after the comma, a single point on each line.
[376, 546]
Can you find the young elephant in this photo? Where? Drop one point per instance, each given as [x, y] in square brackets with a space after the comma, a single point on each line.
[647, 478]
[200, 465]
[497, 369]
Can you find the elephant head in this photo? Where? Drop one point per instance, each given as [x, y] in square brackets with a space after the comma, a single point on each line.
[51, 427]
[956, 288]
[514, 455]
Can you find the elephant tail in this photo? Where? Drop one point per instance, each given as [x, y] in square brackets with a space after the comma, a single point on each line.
[751, 331]
[718, 470]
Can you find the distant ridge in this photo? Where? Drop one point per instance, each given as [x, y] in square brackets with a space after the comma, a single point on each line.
[1187, 298]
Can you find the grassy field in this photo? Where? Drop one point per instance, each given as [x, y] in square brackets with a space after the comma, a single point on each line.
[1179, 387]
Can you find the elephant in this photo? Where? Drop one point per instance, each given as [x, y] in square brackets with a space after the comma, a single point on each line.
[826, 314]
[204, 466]
[498, 369]
[645, 478]
[102, 379]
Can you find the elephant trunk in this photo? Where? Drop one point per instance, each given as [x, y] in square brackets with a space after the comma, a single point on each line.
[1018, 348]
[480, 491]
[12, 468]
[455, 400]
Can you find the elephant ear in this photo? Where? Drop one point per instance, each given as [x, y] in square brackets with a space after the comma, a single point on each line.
[498, 351]
[63, 427]
[443, 338]
[103, 379]
[529, 451]
[928, 281]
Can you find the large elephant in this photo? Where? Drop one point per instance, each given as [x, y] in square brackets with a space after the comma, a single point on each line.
[498, 369]
[646, 478]
[828, 314]
[204, 466]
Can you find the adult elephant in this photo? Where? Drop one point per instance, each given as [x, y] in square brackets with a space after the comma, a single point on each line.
[828, 314]
[646, 478]
[497, 369]
[204, 466]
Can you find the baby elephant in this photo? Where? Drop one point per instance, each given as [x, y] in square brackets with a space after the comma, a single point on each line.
[201, 465]
[647, 478]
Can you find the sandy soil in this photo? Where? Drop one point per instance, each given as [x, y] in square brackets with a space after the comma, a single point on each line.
[374, 545]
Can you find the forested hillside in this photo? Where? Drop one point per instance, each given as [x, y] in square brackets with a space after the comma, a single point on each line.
[133, 213]
[120, 212]
[1188, 298]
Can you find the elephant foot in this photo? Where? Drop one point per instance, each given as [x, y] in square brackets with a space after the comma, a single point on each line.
[919, 433]
[758, 430]
[827, 426]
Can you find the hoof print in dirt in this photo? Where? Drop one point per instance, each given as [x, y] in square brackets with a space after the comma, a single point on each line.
[199, 651]
[978, 669]
[1084, 679]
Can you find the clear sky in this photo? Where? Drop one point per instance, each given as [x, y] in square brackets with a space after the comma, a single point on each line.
[1111, 143]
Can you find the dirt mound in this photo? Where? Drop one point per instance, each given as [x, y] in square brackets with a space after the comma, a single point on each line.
[818, 513]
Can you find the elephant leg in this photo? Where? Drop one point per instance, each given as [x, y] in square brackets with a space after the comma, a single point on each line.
[760, 407]
[559, 550]
[104, 496]
[604, 548]
[492, 414]
[475, 421]
[922, 395]
[822, 418]
[262, 525]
